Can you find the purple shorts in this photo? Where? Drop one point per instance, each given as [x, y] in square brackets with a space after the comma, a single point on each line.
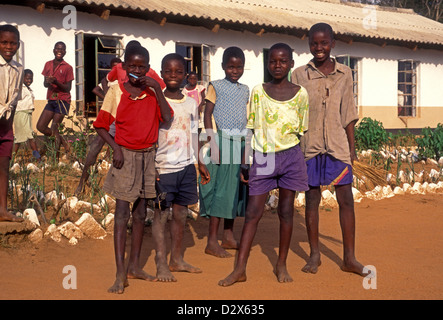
[6, 137]
[325, 170]
[285, 169]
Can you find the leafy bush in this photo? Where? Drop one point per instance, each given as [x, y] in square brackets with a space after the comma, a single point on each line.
[430, 144]
[370, 134]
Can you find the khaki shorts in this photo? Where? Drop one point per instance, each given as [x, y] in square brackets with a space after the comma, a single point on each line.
[126, 183]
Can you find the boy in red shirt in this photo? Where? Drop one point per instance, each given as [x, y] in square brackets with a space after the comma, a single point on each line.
[137, 106]
[58, 79]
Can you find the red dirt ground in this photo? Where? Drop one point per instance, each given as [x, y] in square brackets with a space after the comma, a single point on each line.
[400, 236]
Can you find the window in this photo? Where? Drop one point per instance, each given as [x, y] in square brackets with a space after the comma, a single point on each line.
[197, 60]
[407, 88]
[93, 54]
[352, 63]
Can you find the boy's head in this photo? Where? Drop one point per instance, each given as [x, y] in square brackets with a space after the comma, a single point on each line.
[9, 41]
[114, 62]
[136, 62]
[59, 50]
[173, 70]
[280, 60]
[28, 77]
[321, 41]
[233, 63]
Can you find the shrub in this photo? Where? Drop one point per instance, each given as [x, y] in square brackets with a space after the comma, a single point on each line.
[430, 144]
[370, 134]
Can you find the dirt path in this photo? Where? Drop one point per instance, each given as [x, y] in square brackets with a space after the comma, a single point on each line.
[400, 236]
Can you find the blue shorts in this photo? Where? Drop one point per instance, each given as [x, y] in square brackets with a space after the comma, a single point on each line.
[180, 187]
[285, 169]
[325, 170]
[58, 106]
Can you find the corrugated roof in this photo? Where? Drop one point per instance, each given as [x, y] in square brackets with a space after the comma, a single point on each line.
[349, 20]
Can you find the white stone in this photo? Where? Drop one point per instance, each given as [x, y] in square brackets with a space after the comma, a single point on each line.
[32, 167]
[357, 195]
[108, 221]
[53, 233]
[73, 241]
[398, 190]
[31, 215]
[70, 230]
[328, 199]
[90, 227]
[15, 168]
[36, 236]
[300, 200]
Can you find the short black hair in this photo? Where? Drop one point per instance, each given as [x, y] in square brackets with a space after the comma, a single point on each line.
[60, 42]
[137, 50]
[283, 46]
[28, 71]
[173, 56]
[321, 27]
[132, 43]
[233, 52]
[10, 28]
[115, 60]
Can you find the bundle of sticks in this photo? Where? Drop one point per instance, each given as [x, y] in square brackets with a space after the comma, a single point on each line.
[371, 176]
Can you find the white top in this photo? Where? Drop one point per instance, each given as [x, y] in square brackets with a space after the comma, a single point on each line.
[175, 150]
[27, 100]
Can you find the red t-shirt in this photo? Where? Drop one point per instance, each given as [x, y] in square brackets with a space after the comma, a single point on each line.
[118, 73]
[63, 73]
[136, 120]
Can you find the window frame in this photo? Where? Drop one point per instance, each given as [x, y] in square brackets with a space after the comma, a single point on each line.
[410, 110]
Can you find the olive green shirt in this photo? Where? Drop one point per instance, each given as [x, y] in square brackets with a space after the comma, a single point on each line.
[331, 109]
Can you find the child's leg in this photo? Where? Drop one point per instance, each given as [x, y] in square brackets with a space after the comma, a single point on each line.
[213, 247]
[56, 120]
[138, 226]
[347, 222]
[16, 147]
[96, 146]
[313, 197]
[285, 214]
[120, 229]
[228, 240]
[176, 263]
[158, 230]
[254, 213]
[34, 149]
[4, 177]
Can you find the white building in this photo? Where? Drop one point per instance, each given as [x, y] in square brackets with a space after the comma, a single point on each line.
[397, 55]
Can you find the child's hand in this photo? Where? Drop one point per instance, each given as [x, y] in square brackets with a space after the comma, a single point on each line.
[118, 158]
[50, 79]
[244, 175]
[157, 175]
[354, 157]
[148, 82]
[204, 174]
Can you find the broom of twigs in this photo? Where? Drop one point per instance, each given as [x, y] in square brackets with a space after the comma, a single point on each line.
[371, 176]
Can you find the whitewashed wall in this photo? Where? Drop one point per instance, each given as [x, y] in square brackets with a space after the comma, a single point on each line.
[378, 67]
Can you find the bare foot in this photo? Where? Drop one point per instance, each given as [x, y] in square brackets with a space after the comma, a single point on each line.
[8, 216]
[313, 264]
[119, 285]
[217, 250]
[239, 276]
[79, 190]
[137, 273]
[230, 244]
[164, 274]
[282, 274]
[354, 266]
[183, 267]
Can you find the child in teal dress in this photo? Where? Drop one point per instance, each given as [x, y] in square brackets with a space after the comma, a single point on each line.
[222, 191]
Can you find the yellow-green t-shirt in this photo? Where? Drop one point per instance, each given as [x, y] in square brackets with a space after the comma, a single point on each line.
[277, 124]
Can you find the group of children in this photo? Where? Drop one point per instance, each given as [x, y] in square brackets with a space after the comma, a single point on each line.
[298, 133]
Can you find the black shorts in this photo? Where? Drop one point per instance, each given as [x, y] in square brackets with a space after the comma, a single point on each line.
[58, 106]
[177, 188]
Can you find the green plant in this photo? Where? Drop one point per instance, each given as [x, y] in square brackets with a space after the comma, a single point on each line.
[370, 134]
[430, 144]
